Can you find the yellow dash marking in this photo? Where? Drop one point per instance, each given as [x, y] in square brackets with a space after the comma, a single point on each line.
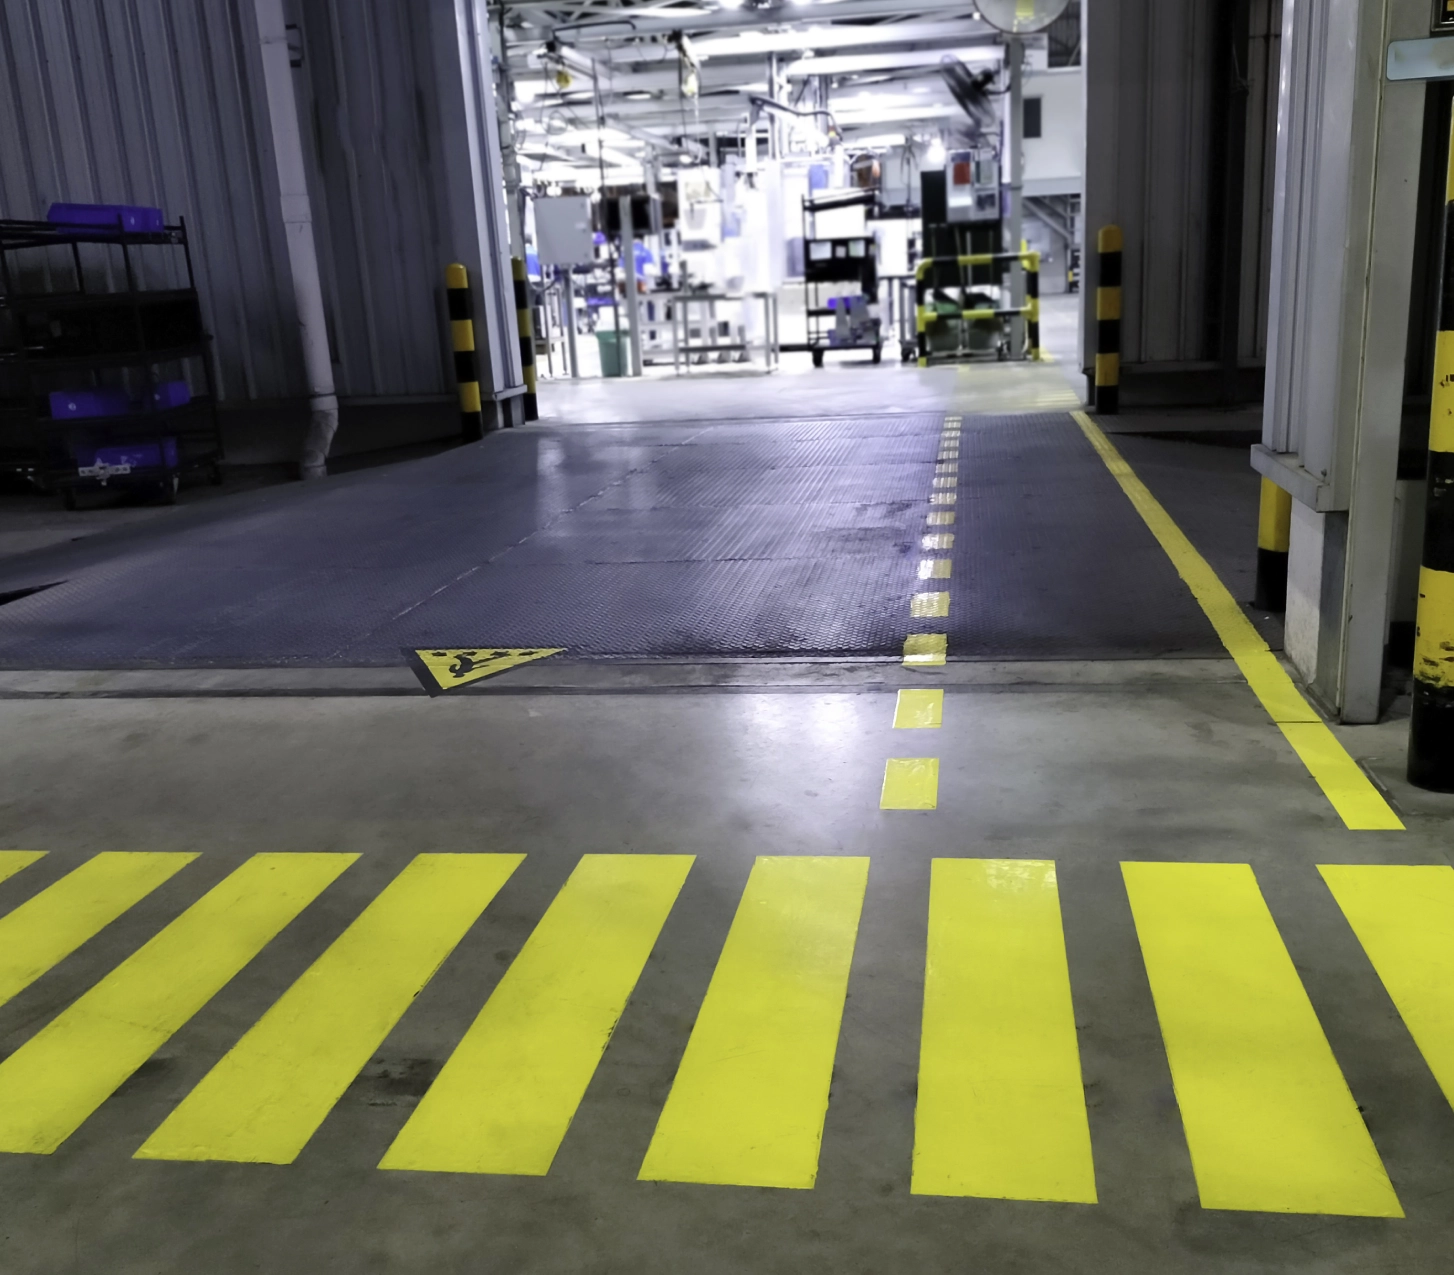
[1404, 918]
[1001, 1108]
[1348, 789]
[1269, 1120]
[52, 1083]
[942, 497]
[945, 482]
[268, 1095]
[508, 1093]
[749, 1100]
[925, 650]
[910, 783]
[929, 604]
[950, 468]
[934, 569]
[46, 929]
[918, 710]
[940, 519]
[940, 540]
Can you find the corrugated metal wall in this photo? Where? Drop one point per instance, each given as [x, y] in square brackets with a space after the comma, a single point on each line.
[159, 102]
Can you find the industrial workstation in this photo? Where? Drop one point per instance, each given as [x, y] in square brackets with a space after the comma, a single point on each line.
[727, 635]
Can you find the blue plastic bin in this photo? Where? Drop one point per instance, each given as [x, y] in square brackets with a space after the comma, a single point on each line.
[133, 219]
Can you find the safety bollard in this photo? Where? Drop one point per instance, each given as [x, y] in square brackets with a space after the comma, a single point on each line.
[1032, 302]
[1274, 525]
[466, 365]
[1108, 322]
[526, 323]
[1431, 730]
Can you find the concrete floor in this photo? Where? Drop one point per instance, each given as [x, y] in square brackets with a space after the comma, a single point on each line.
[1089, 764]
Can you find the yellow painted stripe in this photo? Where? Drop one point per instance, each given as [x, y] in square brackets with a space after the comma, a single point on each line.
[51, 1084]
[1441, 413]
[270, 1093]
[1108, 303]
[919, 710]
[942, 497]
[929, 605]
[462, 332]
[937, 540]
[1001, 1108]
[46, 929]
[750, 1097]
[1274, 518]
[508, 1093]
[1269, 1120]
[1434, 634]
[945, 481]
[469, 396]
[940, 519]
[925, 649]
[950, 467]
[1108, 369]
[1404, 917]
[1352, 794]
[935, 569]
[910, 783]
[13, 861]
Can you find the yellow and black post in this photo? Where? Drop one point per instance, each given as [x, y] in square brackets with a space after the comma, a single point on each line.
[526, 323]
[1431, 732]
[1274, 526]
[1108, 322]
[466, 363]
[1032, 302]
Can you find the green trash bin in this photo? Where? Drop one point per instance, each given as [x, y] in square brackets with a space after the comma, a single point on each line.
[610, 342]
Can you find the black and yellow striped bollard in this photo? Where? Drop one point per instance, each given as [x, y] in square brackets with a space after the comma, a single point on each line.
[1431, 731]
[1108, 322]
[466, 363]
[525, 321]
[1032, 301]
[1274, 527]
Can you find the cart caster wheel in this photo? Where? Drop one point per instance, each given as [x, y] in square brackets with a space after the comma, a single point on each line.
[817, 358]
[214, 475]
[878, 354]
[68, 498]
[167, 489]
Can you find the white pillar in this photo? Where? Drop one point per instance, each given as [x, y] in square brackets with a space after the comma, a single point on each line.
[633, 300]
[1015, 56]
[297, 214]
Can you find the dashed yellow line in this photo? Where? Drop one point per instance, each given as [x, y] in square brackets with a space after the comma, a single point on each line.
[929, 605]
[910, 783]
[919, 710]
[925, 650]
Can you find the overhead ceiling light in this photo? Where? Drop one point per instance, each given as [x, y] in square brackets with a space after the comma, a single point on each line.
[935, 155]
[730, 4]
[639, 95]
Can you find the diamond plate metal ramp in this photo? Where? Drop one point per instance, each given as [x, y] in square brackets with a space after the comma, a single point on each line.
[782, 537]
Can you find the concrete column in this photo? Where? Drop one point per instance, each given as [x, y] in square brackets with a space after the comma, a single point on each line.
[1344, 218]
[473, 195]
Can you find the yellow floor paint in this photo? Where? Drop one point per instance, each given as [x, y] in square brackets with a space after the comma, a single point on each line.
[1269, 1121]
[935, 568]
[750, 1097]
[1001, 1107]
[944, 480]
[940, 540]
[1348, 789]
[508, 1093]
[270, 1093]
[926, 650]
[942, 497]
[919, 710]
[53, 1082]
[948, 467]
[47, 928]
[1404, 918]
[13, 861]
[910, 783]
[940, 518]
[929, 606]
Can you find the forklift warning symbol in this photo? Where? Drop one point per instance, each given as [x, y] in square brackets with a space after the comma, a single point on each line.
[443, 669]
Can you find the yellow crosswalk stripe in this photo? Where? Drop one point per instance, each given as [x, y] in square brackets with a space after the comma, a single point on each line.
[910, 783]
[270, 1093]
[508, 1093]
[750, 1097]
[44, 930]
[919, 710]
[1269, 1121]
[1001, 1108]
[1404, 918]
[53, 1082]
[13, 861]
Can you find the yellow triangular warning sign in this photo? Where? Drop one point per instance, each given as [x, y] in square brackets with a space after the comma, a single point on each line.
[445, 668]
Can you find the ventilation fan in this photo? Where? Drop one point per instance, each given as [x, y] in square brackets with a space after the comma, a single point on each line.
[1021, 17]
[974, 91]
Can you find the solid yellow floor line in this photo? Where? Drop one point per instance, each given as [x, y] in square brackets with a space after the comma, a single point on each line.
[1358, 803]
[1269, 1120]
[1404, 918]
[750, 1097]
[268, 1095]
[910, 783]
[13, 861]
[1001, 1107]
[919, 710]
[508, 1093]
[46, 929]
[52, 1083]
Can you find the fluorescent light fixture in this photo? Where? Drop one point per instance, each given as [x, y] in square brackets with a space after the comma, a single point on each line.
[934, 156]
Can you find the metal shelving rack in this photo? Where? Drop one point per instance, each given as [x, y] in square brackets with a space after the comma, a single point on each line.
[852, 259]
[74, 338]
